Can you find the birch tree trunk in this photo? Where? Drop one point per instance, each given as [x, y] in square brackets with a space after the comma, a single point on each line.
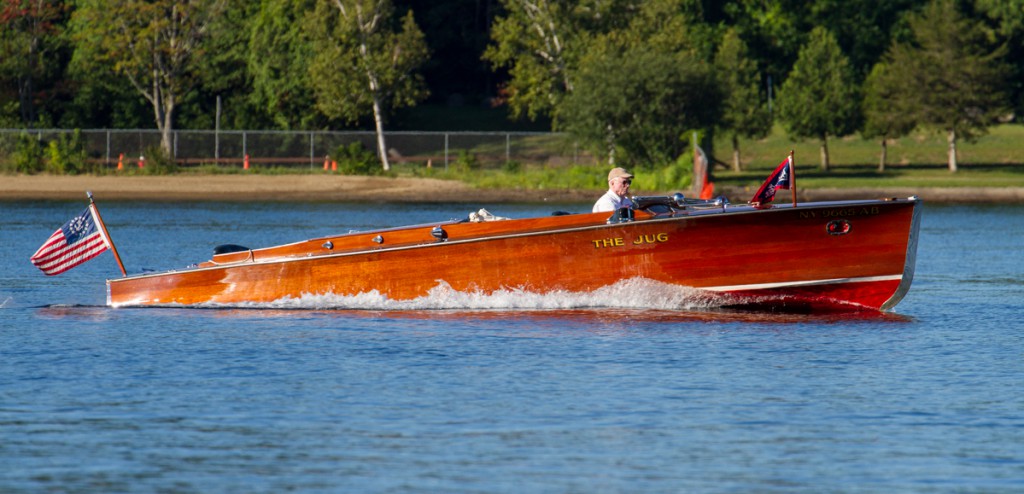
[366, 24]
[543, 23]
[735, 153]
[883, 156]
[378, 120]
[951, 137]
[167, 128]
[824, 153]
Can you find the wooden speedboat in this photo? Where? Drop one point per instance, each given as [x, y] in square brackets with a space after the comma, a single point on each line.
[819, 255]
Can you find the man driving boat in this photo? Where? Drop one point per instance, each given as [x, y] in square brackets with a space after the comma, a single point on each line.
[619, 181]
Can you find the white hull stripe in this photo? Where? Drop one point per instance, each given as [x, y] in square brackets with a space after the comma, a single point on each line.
[835, 281]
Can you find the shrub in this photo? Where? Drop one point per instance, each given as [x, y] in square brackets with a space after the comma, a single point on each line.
[158, 162]
[66, 155]
[466, 162]
[677, 176]
[28, 154]
[355, 159]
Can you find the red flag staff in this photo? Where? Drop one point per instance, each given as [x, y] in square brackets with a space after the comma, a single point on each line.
[792, 177]
[106, 236]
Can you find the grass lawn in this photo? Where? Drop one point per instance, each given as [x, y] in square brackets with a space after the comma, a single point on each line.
[919, 160]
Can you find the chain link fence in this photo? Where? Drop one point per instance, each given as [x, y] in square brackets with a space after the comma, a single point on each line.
[313, 148]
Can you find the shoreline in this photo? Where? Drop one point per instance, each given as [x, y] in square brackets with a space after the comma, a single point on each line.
[341, 188]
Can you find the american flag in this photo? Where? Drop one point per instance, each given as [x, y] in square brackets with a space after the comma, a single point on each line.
[779, 179]
[72, 244]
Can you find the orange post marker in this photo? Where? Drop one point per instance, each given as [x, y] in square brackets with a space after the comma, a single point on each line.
[120, 162]
[245, 164]
[334, 166]
[327, 162]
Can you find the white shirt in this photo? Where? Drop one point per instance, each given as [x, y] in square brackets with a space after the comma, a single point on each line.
[611, 201]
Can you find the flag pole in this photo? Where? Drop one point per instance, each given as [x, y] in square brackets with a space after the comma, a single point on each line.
[106, 236]
[698, 177]
[792, 176]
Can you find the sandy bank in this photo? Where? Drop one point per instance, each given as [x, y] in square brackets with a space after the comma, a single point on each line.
[380, 189]
[262, 188]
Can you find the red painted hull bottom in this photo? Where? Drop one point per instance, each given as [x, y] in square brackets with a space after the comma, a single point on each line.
[849, 296]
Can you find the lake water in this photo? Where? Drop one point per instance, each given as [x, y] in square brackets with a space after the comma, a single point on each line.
[632, 397]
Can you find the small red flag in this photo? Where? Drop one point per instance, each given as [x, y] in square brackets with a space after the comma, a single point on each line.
[781, 178]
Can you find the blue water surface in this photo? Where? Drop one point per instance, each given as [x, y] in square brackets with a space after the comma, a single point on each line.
[925, 399]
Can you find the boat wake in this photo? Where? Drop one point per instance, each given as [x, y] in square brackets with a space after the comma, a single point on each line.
[634, 293]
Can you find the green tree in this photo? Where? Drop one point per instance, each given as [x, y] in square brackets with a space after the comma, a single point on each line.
[744, 112]
[280, 54]
[774, 30]
[820, 96]
[366, 62]
[1009, 26]
[222, 73]
[568, 61]
[863, 28]
[102, 102]
[885, 114]
[641, 87]
[640, 102]
[541, 42]
[952, 80]
[1006, 13]
[671, 26]
[31, 53]
[151, 43]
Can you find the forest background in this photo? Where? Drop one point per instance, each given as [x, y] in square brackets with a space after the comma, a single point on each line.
[631, 80]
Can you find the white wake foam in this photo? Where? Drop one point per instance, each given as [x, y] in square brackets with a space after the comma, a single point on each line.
[634, 293]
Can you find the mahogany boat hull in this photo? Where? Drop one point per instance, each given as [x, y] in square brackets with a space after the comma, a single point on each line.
[850, 254]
